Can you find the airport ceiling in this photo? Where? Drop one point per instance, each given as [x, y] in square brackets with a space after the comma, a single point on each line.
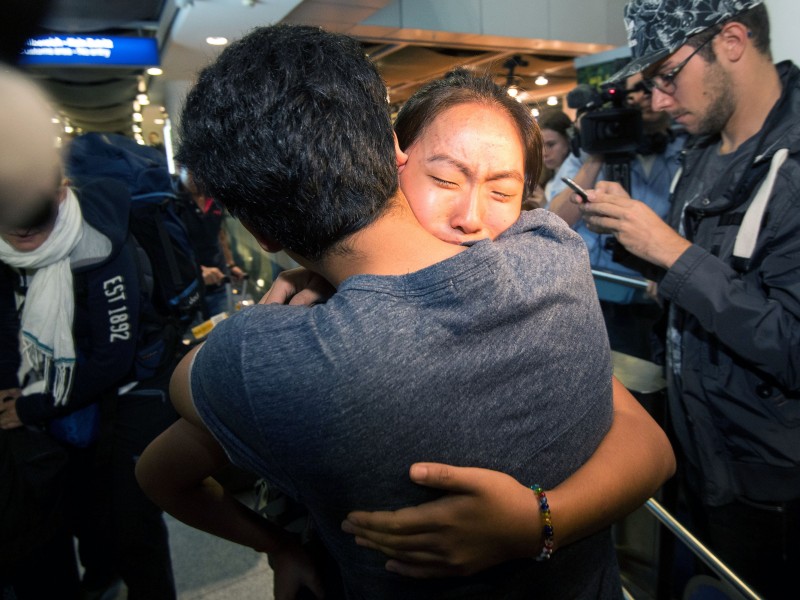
[102, 98]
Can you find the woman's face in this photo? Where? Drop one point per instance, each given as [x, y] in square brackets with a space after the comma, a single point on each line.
[464, 176]
[556, 149]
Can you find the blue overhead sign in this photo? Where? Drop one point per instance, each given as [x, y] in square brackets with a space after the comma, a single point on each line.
[96, 51]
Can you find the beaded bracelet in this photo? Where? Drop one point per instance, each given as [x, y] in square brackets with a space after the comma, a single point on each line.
[548, 539]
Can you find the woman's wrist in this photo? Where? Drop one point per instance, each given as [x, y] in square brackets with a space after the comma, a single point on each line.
[548, 537]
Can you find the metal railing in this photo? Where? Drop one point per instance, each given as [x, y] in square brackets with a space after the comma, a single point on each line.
[633, 282]
[699, 550]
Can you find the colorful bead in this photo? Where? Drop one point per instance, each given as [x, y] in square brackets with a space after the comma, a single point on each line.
[548, 539]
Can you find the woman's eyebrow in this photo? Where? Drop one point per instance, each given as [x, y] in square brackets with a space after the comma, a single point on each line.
[454, 162]
[451, 161]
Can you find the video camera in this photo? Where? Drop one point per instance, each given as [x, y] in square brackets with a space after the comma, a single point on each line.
[608, 126]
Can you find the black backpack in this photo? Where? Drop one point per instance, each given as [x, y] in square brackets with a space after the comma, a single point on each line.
[168, 271]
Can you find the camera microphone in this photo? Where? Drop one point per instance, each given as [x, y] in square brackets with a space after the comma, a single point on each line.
[583, 97]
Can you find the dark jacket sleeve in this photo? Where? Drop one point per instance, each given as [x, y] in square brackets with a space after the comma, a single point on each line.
[9, 331]
[106, 332]
[756, 315]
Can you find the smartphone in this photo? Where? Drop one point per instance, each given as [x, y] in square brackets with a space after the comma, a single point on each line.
[578, 189]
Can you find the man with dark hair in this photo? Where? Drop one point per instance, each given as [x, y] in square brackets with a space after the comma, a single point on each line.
[424, 352]
[728, 266]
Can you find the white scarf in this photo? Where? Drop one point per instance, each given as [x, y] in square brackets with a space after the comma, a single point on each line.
[46, 340]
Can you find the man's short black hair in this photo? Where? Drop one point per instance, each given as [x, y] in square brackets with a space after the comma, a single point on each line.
[290, 130]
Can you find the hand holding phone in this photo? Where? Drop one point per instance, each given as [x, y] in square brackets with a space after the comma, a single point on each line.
[576, 188]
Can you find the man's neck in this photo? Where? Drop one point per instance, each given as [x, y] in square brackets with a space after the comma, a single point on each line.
[759, 91]
[395, 244]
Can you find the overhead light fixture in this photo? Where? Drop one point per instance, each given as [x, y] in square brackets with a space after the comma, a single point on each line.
[137, 107]
[552, 101]
[137, 117]
[216, 40]
[535, 113]
[68, 129]
[158, 121]
[541, 80]
[143, 100]
[136, 128]
[154, 71]
[513, 91]
[55, 120]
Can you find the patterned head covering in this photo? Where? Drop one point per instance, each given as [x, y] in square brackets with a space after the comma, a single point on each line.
[657, 28]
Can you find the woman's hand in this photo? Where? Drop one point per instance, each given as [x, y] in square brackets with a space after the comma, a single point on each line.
[298, 287]
[486, 518]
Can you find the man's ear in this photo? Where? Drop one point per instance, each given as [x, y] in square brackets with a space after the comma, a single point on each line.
[266, 243]
[734, 38]
[402, 157]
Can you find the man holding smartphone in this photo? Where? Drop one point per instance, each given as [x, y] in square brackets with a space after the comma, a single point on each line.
[630, 314]
[728, 267]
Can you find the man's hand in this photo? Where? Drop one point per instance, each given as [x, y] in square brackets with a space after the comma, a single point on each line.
[237, 274]
[8, 409]
[212, 275]
[298, 287]
[640, 230]
[487, 518]
[294, 569]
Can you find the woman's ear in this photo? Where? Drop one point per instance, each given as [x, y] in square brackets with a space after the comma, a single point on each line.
[402, 157]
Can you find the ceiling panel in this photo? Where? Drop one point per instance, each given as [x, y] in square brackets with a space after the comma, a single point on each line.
[98, 99]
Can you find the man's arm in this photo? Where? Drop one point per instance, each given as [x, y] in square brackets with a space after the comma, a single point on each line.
[176, 472]
[728, 306]
[634, 224]
[488, 517]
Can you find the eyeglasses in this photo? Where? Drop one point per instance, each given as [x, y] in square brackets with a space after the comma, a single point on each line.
[666, 82]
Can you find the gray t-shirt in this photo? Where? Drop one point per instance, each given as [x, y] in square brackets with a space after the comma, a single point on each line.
[495, 358]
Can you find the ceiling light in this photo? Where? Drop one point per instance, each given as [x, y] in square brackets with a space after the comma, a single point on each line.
[513, 91]
[142, 99]
[137, 117]
[136, 106]
[154, 71]
[158, 121]
[68, 129]
[55, 120]
[135, 128]
[535, 112]
[541, 80]
[552, 101]
[216, 41]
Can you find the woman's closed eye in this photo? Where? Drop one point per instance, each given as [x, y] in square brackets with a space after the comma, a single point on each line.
[444, 182]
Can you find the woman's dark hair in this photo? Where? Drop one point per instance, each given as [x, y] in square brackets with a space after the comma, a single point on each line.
[461, 86]
[556, 120]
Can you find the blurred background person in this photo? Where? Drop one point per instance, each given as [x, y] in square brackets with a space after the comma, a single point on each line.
[70, 327]
[556, 128]
[203, 217]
